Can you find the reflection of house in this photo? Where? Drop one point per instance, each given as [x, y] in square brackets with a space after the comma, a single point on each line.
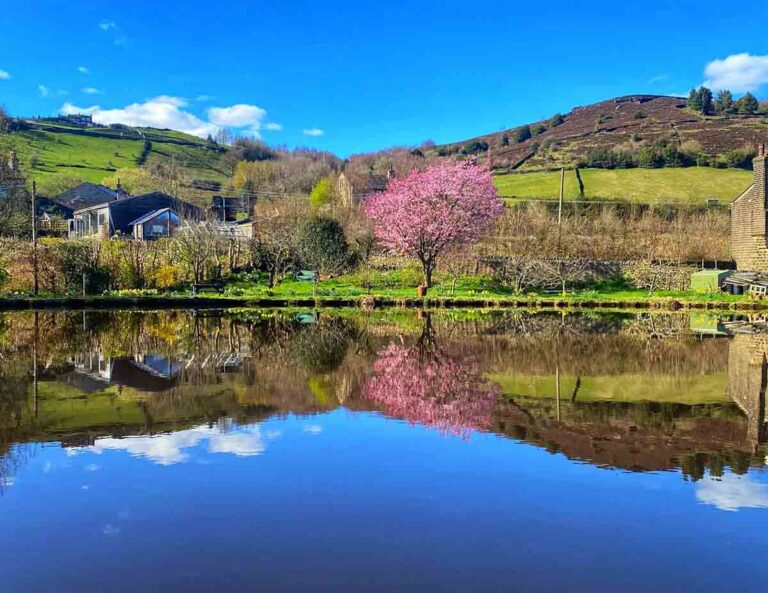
[94, 372]
[747, 380]
[352, 189]
[155, 214]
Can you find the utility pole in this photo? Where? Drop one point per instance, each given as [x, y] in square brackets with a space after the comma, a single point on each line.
[34, 239]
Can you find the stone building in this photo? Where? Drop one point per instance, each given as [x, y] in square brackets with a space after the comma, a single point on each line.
[749, 221]
[352, 190]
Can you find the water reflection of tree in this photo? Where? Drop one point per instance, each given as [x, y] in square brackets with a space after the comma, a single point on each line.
[428, 385]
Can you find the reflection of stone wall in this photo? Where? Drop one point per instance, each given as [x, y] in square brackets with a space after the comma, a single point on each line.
[747, 380]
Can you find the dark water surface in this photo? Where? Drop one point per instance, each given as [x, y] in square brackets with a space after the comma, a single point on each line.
[262, 451]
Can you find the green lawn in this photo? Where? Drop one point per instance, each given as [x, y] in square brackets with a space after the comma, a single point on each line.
[692, 185]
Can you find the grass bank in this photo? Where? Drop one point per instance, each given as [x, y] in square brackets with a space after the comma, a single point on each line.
[475, 292]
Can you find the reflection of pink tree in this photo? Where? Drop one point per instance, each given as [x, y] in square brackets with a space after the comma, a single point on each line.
[432, 388]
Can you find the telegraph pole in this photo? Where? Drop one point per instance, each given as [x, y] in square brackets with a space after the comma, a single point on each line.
[34, 239]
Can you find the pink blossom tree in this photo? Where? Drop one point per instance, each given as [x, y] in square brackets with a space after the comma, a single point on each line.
[426, 385]
[444, 208]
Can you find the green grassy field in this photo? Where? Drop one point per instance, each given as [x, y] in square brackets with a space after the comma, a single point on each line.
[684, 186]
[93, 154]
[685, 389]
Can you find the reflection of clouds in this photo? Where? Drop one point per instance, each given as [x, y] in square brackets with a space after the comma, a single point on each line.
[167, 449]
[313, 429]
[732, 492]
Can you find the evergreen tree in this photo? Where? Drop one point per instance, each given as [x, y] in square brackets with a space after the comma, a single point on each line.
[748, 105]
[700, 100]
[724, 104]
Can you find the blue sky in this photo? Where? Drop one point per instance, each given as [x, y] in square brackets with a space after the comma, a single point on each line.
[358, 76]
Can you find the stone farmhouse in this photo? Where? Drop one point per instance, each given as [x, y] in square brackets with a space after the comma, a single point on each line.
[749, 221]
[353, 191]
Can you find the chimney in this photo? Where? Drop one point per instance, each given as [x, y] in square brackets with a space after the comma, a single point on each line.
[119, 191]
[13, 163]
[391, 172]
[761, 182]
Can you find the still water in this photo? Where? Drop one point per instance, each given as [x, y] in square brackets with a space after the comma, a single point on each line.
[392, 451]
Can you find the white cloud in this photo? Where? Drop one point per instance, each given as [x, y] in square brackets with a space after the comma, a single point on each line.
[5, 75]
[203, 98]
[89, 90]
[82, 70]
[738, 73]
[273, 127]
[237, 116]
[169, 449]
[732, 492]
[172, 112]
[106, 25]
[313, 132]
[159, 112]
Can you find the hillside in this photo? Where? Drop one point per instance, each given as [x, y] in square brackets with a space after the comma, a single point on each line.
[629, 122]
[48, 149]
[690, 186]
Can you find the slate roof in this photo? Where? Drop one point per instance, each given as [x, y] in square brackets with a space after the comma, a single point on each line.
[86, 195]
[53, 208]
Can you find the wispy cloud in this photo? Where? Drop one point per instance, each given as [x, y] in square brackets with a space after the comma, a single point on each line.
[738, 73]
[273, 127]
[5, 75]
[119, 37]
[658, 78]
[48, 92]
[89, 90]
[313, 132]
[82, 70]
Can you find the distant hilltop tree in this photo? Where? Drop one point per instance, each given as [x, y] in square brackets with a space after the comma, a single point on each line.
[747, 105]
[724, 104]
[701, 100]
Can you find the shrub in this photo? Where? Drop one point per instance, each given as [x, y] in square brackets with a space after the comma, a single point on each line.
[474, 147]
[738, 158]
[322, 246]
[322, 193]
[556, 120]
[522, 134]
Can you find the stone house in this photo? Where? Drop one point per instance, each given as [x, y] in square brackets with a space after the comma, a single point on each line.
[352, 190]
[119, 218]
[749, 221]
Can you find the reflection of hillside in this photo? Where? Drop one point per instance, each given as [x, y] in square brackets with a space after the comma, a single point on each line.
[639, 393]
[638, 436]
